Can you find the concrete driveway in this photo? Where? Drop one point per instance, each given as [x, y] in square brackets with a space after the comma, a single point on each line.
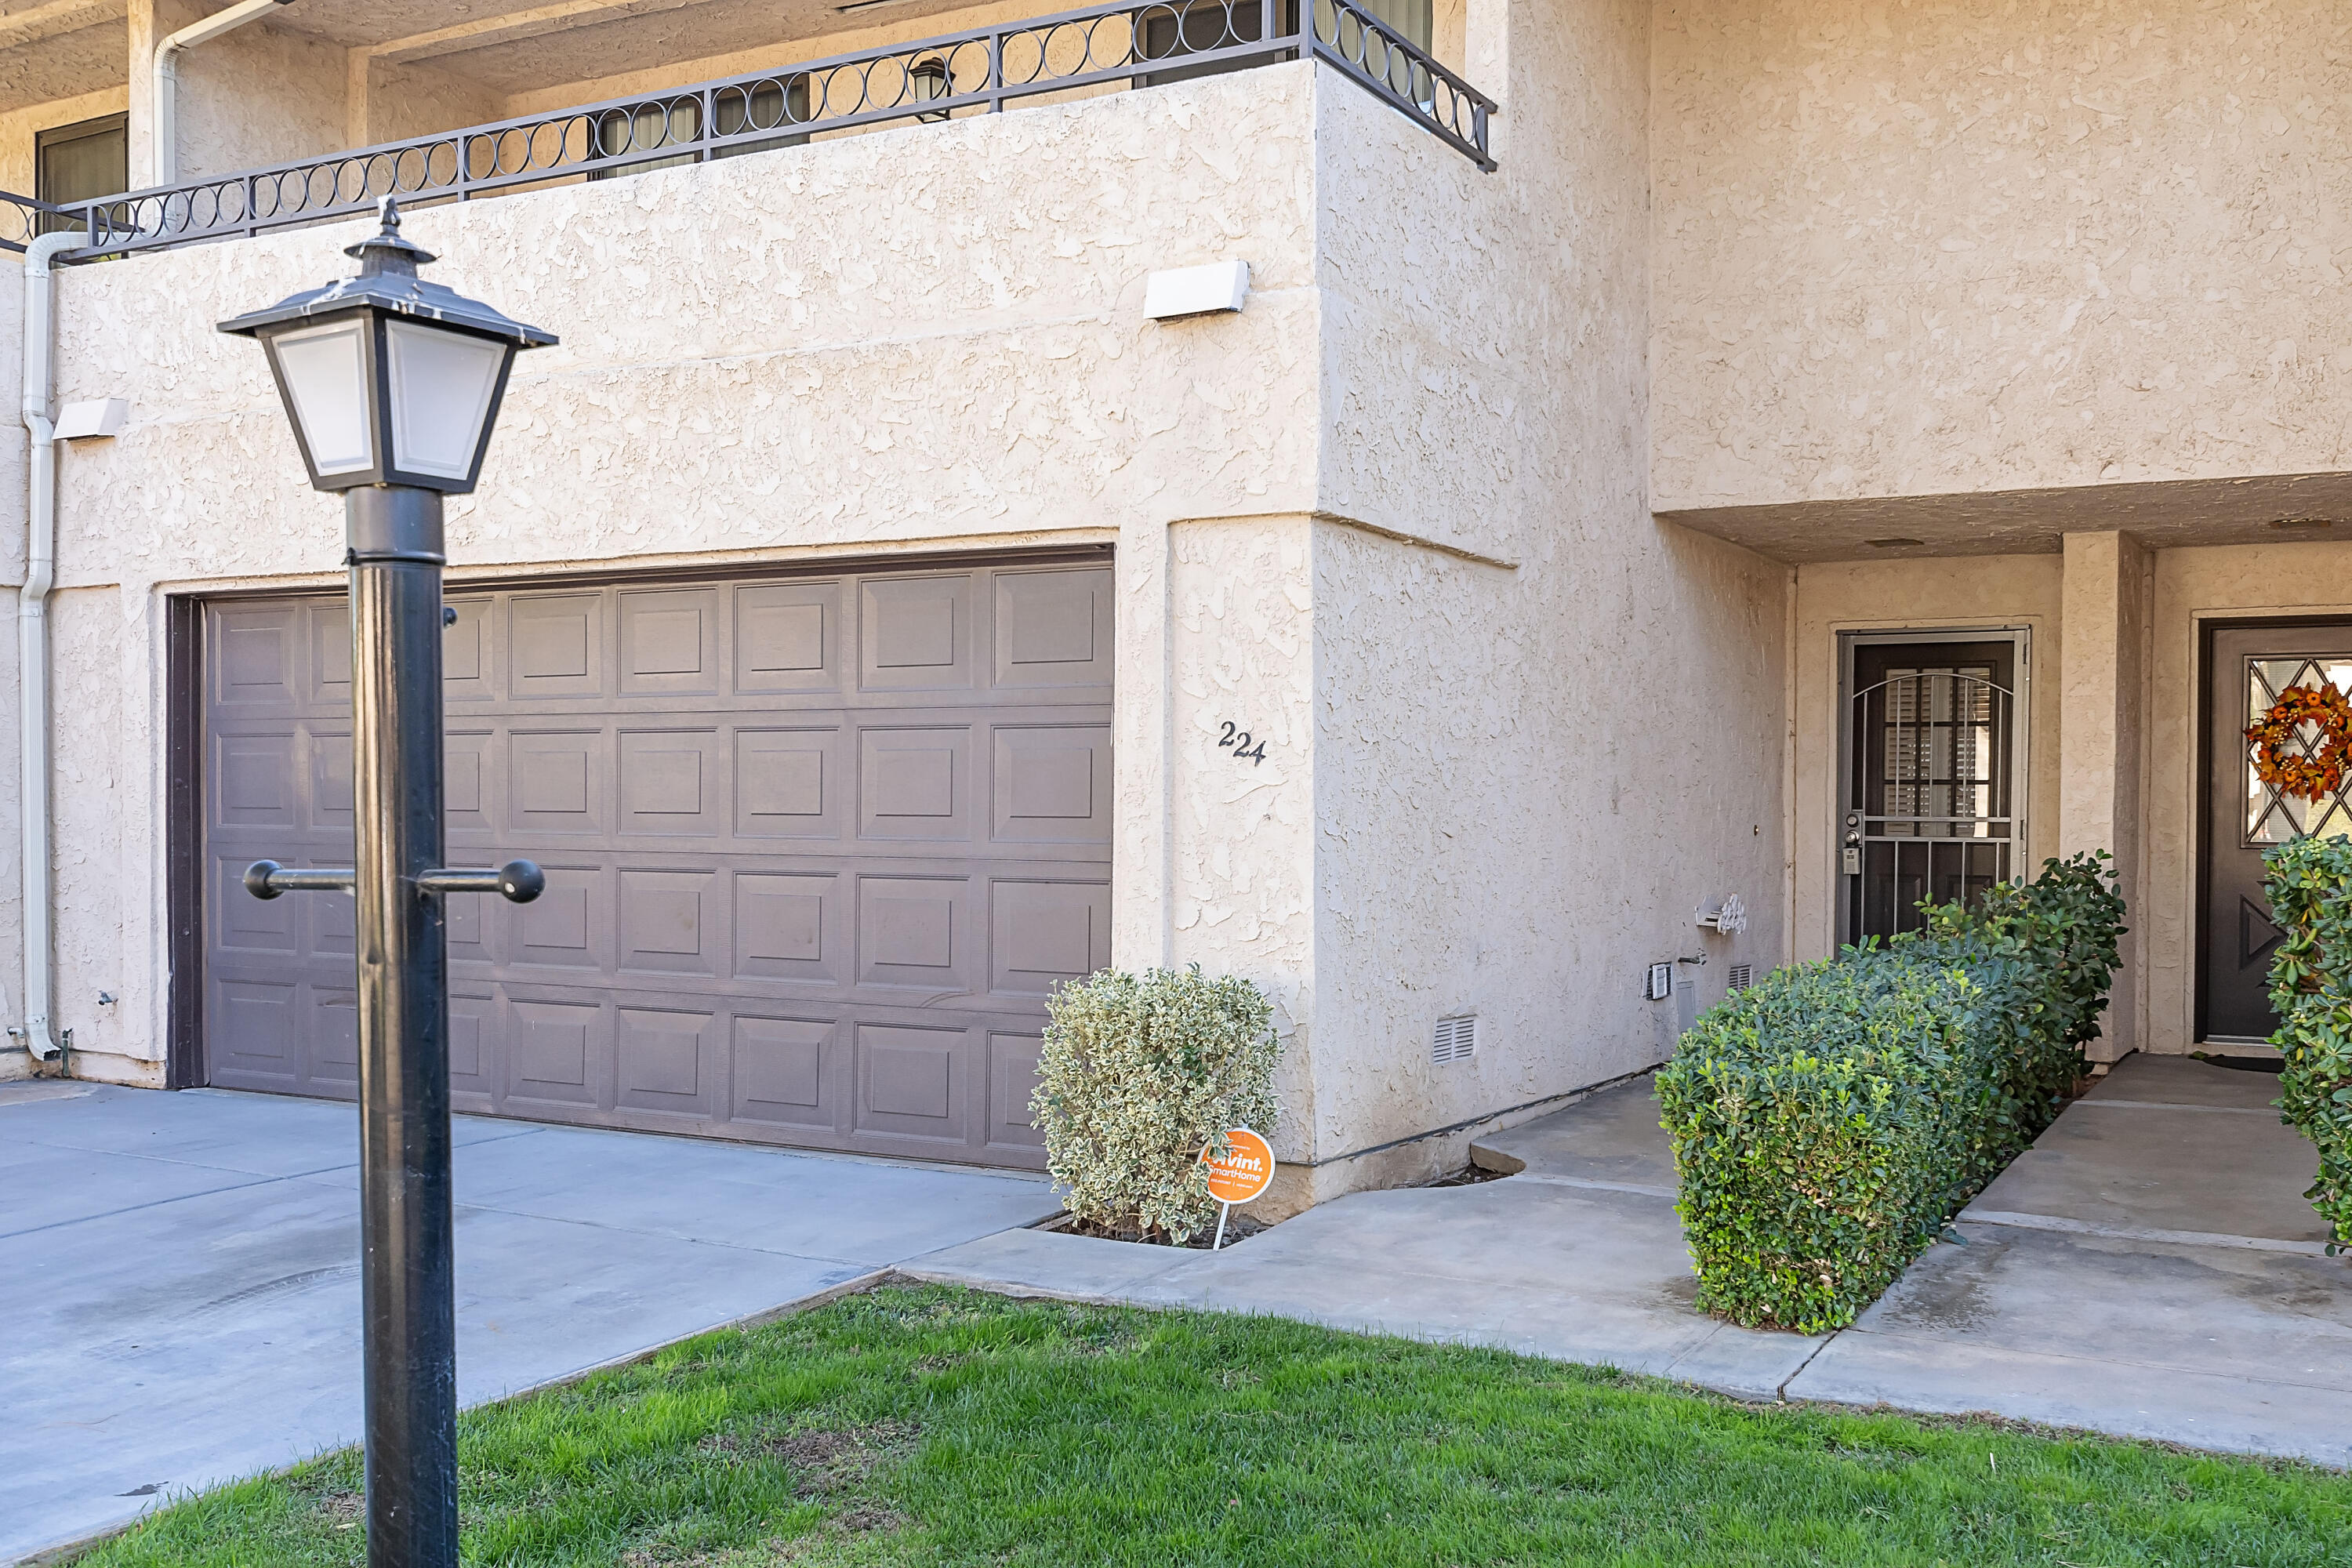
[179, 1274]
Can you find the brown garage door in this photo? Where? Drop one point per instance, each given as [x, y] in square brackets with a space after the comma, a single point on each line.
[817, 848]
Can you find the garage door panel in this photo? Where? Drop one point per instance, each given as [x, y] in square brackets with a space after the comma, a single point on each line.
[466, 918]
[328, 628]
[330, 801]
[567, 925]
[255, 779]
[911, 1081]
[915, 632]
[788, 638]
[671, 923]
[1053, 629]
[561, 782]
[916, 931]
[556, 645]
[785, 1070]
[816, 850]
[667, 1061]
[915, 782]
[1050, 783]
[474, 1025]
[255, 649]
[559, 1056]
[672, 782]
[1012, 1081]
[469, 782]
[1042, 934]
[246, 926]
[669, 642]
[791, 925]
[332, 1031]
[253, 1040]
[791, 784]
[468, 662]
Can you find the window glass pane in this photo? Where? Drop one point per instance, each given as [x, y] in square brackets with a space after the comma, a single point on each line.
[2273, 818]
[82, 163]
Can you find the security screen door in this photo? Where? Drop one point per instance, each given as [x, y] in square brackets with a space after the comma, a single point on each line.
[817, 848]
[1931, 759]
[2246, 668]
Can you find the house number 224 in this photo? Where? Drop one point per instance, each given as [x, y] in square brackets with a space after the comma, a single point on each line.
[1239, 739]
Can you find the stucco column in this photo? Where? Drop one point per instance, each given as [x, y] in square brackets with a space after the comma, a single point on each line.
[2102, 640]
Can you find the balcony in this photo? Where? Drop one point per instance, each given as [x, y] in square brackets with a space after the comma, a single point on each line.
[981, 71]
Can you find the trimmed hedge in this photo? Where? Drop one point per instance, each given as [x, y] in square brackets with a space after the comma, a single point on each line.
[2310, 885]
[1830, 1120]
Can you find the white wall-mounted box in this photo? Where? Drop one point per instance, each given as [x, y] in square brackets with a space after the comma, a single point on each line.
[1195, 290]
[99, 417]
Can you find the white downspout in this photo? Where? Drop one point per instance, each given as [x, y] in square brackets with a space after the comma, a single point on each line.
[165, 152]
[32, 634]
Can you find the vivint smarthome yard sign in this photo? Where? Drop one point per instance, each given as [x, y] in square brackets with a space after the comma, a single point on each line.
[1244, 1172]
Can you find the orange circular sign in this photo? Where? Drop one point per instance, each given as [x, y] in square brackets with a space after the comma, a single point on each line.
[1245, 1172]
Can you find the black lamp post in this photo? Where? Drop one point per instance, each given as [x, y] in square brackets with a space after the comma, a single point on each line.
[392, 385]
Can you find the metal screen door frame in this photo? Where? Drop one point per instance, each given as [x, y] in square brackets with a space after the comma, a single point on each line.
[1848, 808]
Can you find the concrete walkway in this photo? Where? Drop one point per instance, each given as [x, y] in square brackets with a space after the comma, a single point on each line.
[2149, 1269]
[179, 1274]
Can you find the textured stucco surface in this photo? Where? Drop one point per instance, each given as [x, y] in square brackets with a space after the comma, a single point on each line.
[1529, 777]
[975, 372]
[2108, 587]
[1908, 248]
[1989, 592]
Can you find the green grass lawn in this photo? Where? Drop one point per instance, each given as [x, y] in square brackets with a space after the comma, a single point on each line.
[941, 1426]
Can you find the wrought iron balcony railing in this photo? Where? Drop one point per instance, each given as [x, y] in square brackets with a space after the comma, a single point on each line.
[983, 70]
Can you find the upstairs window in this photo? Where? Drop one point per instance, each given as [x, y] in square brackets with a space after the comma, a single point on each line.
[81, 163]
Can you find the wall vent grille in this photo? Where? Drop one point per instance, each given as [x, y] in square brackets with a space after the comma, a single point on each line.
[1743, 976]
[1456, 1039]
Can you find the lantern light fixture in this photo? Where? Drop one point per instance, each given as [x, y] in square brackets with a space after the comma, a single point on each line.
[389, 379]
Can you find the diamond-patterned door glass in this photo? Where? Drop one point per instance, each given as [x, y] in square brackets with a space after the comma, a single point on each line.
[2271, 817]
[1936, 732]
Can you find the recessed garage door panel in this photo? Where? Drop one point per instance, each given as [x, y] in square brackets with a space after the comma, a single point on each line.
[817, 849]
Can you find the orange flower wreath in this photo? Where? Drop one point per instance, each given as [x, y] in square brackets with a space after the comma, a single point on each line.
[2317, 775]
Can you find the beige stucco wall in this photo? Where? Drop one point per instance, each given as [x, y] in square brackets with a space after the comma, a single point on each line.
[1914, 249]
[1983, 592]
[977, 372]
[2194, 586]
[1547, 728]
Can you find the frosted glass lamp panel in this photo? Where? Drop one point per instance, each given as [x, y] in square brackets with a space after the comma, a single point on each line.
[325, 373]
[441, 384]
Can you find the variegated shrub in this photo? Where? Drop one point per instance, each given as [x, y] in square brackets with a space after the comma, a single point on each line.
[1138, 1073]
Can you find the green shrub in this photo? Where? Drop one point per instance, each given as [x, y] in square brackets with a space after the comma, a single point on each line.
[2310, 885]
[1137, 1074]
[1828, 1121]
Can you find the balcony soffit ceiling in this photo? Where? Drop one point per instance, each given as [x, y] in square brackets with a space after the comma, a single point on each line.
[59, 48]
[517, 49]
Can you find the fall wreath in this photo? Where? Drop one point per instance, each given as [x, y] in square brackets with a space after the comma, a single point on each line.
[2317, 773]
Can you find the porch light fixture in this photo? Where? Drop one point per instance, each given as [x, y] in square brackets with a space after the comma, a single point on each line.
[388, 379]
[391, 384]
[928, 82]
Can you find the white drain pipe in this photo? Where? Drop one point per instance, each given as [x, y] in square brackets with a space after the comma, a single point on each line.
[32, 634]
[165, 157]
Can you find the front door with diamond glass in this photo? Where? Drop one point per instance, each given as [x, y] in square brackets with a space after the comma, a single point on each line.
[2246, 668]
[1931, 757]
